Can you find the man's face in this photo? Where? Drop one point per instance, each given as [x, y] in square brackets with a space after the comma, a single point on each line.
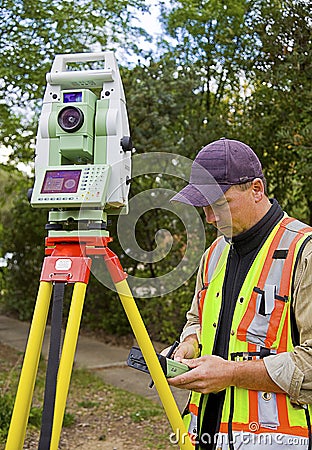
[233, 213]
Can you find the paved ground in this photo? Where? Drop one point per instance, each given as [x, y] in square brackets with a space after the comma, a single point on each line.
[107, 360]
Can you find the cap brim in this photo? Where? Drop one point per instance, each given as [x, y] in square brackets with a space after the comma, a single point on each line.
[200, 194]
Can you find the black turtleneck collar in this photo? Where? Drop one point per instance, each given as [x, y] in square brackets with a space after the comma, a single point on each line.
[251, 239]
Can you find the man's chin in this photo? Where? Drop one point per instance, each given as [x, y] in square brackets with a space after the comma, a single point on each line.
[225, 231]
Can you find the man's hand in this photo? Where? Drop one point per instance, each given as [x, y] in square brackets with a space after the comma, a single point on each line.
[213, 374]
[208, 374]
[188, 349]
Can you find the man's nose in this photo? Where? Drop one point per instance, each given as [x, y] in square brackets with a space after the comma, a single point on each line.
[210, 214]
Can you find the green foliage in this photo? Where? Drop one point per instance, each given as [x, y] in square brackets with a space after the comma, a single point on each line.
[35, 417]
[254, 61]
[103, 309]
[6, 407]
[277, 116]
[237, 69]
[23, 239]
[69, 419]
[214, 38]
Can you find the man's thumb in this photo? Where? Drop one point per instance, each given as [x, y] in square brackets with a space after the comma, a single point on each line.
[191, 363]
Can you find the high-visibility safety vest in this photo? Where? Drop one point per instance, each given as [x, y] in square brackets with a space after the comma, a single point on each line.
[261, 326]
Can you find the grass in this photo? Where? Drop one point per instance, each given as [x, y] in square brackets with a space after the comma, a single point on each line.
[95, 411]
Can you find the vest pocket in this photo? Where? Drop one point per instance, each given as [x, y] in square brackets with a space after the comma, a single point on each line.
[267, 410]
[264, 318]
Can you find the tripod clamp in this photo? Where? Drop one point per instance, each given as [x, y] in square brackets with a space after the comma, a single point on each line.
[68, 259]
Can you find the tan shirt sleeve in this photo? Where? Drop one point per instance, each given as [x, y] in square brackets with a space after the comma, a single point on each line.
[293, 371]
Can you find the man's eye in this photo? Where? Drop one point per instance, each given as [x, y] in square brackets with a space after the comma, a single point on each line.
[219, 205]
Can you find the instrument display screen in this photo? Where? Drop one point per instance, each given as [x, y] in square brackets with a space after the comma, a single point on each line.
[61, 181]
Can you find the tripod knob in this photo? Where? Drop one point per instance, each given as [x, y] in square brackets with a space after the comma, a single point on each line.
[126, 143]
[97, 226]
[53, 226]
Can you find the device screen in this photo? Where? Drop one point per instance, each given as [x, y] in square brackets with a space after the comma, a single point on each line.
[72, 97]
[61, 181]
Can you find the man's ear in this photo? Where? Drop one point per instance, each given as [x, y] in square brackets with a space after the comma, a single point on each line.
[258, 189]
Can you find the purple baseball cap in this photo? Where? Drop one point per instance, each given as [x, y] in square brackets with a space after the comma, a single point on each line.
[218, 166]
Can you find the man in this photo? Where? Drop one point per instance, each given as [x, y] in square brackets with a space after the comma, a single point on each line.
[251, 315]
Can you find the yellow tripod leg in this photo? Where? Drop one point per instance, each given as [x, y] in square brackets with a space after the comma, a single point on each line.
[28, 375]
[153, 364]
[67, 360]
